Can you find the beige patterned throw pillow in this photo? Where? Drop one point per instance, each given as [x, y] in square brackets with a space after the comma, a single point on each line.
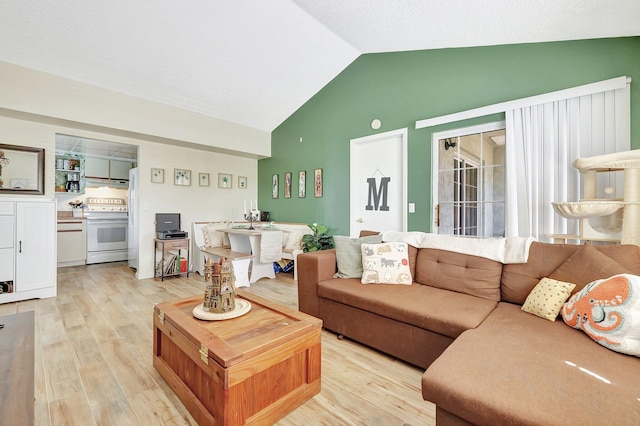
[212, 237]
[547, 297]
[386, 263]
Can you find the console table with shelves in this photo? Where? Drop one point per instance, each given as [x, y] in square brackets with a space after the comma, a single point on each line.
[169, 257]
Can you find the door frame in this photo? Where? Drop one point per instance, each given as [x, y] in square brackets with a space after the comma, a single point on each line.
[403, 134]
[435, 159]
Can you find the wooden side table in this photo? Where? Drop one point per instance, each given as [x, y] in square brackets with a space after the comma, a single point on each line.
[171, 257]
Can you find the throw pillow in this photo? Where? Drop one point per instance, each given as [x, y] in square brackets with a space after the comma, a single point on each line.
[386, 263]
[608, 311]
[294, 241]
[349, 255]
[212, 238]
[547, 297]
[586, 265]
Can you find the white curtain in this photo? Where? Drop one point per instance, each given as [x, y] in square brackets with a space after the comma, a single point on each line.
[543, 141]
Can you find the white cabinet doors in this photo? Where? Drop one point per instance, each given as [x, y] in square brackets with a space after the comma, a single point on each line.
[35, 245]
[6, 247]
[119, 169]
[106, 169]
[96, 167]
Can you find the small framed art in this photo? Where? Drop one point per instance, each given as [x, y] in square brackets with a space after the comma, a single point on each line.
[182, 177]
[287, 185]
[224, 180]
[203, 179]
[242, 182]
[317, 183]
[157, 175]
[274, 186]
[302, 184]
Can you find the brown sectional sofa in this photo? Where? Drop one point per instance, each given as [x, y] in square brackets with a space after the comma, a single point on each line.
[487, 361]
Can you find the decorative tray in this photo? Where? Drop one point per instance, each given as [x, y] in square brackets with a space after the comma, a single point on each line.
[242, 307]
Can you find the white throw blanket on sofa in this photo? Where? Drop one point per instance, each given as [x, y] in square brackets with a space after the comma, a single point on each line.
[503, 250]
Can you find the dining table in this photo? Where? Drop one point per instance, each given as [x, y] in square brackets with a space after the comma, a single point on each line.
[246, 240]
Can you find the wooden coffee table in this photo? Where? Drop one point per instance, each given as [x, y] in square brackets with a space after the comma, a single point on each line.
[252, 369]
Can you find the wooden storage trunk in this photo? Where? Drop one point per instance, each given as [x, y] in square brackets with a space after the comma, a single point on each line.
[253, 369]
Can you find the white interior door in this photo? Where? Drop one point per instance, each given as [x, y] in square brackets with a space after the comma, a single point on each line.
[378, 182]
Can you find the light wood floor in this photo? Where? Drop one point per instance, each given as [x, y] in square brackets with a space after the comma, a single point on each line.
[93, 358]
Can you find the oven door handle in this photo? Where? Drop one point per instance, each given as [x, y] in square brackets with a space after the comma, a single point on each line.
[106, 222]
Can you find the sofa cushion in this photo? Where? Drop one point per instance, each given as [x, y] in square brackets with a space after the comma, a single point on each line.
[472, 275]
[608, 311]
[349, 255]
[587, 265]
[293, 241]
[518, 279]
[212, 236]
[386, 263]
[535, 372]
[441, 311]
[547, 297]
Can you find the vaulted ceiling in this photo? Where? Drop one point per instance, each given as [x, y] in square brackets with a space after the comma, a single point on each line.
[256, 62]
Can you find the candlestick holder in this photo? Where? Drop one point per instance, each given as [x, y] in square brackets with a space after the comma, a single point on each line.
[252, 216]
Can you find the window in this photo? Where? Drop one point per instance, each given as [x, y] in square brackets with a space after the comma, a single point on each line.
[470, 193]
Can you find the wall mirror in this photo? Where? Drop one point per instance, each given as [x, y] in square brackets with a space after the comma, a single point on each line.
[21, 170]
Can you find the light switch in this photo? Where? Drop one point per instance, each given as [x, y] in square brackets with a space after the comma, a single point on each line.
[412, 207]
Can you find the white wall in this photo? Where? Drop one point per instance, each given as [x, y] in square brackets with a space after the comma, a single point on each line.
[24, 90]
[195, 203]
[35, 106]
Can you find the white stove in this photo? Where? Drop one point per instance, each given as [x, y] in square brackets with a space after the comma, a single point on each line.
[95, 204]
[107, 223]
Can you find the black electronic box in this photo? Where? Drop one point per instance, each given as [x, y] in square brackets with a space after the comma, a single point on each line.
[168, 226]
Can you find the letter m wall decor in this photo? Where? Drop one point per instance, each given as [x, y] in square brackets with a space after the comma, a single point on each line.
[378, 178]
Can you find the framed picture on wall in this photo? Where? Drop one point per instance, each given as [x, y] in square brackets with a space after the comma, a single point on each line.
[203, 179]
[287, 185]
[242, 182]
[224, 180]
[182, 177]
[302, 184]
[274, 186]
[157, 175]
[317, 183]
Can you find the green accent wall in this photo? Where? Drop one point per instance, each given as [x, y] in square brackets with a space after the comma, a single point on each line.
[402, 87]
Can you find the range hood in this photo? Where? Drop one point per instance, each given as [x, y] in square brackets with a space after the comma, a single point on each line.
[93, 182]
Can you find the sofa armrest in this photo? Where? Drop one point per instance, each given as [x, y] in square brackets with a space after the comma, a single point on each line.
[312, 268]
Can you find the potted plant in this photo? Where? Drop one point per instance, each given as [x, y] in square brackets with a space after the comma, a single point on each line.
[319, 240]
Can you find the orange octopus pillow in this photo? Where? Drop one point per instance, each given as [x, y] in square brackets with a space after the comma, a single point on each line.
[608, 311]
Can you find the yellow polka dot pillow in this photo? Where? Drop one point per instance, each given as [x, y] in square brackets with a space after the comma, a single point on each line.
[547, 297]
[386, 263]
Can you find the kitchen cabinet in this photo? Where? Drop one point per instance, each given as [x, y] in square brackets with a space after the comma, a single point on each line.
[102, 168]
[27, 258]
[119, 169]
[72, 242]
[96, 167]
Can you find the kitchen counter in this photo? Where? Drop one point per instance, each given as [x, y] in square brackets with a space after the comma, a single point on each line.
[72, 239]
[65, 216]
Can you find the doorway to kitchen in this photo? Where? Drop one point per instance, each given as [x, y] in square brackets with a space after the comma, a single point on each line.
[92, 185]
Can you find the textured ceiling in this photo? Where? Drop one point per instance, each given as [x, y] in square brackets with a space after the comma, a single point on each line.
[256, 62]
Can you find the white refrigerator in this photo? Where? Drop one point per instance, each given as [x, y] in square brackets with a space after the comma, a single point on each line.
[134, 229]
